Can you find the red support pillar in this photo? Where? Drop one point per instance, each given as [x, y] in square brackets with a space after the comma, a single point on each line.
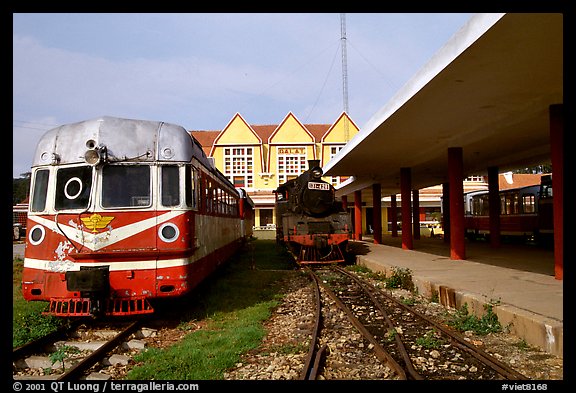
[557, 158]
[394, 215]
[446, 211]
[494, 206]
[456, 177]
[358, 215]
[345, 206]
[416, 214]
[405, 186]
[377, 212]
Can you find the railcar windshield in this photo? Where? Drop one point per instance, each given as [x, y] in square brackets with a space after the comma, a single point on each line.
[40, 191]
[126, 186]
[170, 185]
[73, 186]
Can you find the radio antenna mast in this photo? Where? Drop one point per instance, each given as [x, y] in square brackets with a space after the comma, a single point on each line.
[344, 61]
[344, 72]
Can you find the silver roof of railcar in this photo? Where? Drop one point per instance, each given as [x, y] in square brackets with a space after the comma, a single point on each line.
[124, 139]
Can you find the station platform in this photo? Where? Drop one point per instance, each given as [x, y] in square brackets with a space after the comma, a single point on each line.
[517, 280]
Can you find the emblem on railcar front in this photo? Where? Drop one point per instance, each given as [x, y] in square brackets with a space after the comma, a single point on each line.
[96, 221]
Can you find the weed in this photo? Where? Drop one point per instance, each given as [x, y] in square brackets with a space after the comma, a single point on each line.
[63, 353]
[409, 301]
[390, 335]
[429, 340]
[400, 278]
[358, 269]
[435, 297]
[523, 345]
[289, 349]
[488, 323]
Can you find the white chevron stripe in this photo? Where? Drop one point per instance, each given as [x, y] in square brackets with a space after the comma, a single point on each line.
[115, 266]
[97, 241]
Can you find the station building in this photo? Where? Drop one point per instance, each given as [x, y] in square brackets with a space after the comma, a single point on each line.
[259, 158]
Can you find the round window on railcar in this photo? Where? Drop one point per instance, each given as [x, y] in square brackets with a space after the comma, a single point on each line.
[37, 234]
[73, 188]
[168, 232]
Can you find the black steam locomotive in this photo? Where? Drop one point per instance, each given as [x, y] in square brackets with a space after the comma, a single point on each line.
[311, 222]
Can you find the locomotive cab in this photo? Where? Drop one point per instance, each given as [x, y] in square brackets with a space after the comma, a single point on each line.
[311, 222]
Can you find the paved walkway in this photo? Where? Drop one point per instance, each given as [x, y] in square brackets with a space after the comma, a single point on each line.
[516, 279]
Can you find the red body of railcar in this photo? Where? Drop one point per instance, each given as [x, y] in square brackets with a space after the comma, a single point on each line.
[125, 211]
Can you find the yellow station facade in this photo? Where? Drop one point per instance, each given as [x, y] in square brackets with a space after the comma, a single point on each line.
[259, 158]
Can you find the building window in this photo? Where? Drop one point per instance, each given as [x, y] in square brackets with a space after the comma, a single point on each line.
[238, 166]
[291, 163]
[336, 180]
[475, 178]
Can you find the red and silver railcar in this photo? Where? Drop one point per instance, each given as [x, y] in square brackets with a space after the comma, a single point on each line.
[125, 211]
[525, 213]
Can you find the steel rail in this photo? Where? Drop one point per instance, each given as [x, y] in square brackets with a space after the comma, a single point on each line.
[380, 352]
[397, 336]
[311, 368]
[77, 370]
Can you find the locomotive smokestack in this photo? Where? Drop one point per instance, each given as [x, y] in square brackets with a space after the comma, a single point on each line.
[313, 164]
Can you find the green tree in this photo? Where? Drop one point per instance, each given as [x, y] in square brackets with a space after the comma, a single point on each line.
[20, 188]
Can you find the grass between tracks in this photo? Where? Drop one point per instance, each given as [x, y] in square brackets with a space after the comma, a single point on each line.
[28, 323]
[233, 304]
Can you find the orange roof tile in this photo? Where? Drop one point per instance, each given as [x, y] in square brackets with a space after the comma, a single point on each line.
[519, 180]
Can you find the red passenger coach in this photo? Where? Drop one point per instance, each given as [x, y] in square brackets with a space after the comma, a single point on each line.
[122, 212]
[525, 213]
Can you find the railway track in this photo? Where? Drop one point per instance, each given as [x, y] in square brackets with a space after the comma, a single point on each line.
[69, 353]
[412, 345]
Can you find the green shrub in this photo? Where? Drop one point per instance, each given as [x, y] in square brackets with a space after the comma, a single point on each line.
[400, 278]
[464, 321]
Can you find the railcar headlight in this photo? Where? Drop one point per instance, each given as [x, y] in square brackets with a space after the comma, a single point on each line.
[95, 154]
[317, 173]
[91, 157]
[36, 234]
[168, 232]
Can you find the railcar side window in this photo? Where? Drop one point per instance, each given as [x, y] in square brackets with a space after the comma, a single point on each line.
[170, 185]
[73, 187]
[528, 203]
[40, 189]
[191, 180]
[126, 186]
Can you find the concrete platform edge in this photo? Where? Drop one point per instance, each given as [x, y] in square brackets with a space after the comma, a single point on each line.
[536, 330]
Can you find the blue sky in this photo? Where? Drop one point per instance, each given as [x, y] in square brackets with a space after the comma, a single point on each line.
[199, 70]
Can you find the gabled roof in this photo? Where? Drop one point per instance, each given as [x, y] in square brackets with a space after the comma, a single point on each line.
[208, 138]
[344, 114]
[237, 116]
[290, 115]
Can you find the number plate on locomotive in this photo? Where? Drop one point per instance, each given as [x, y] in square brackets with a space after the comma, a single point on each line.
[319, 186]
